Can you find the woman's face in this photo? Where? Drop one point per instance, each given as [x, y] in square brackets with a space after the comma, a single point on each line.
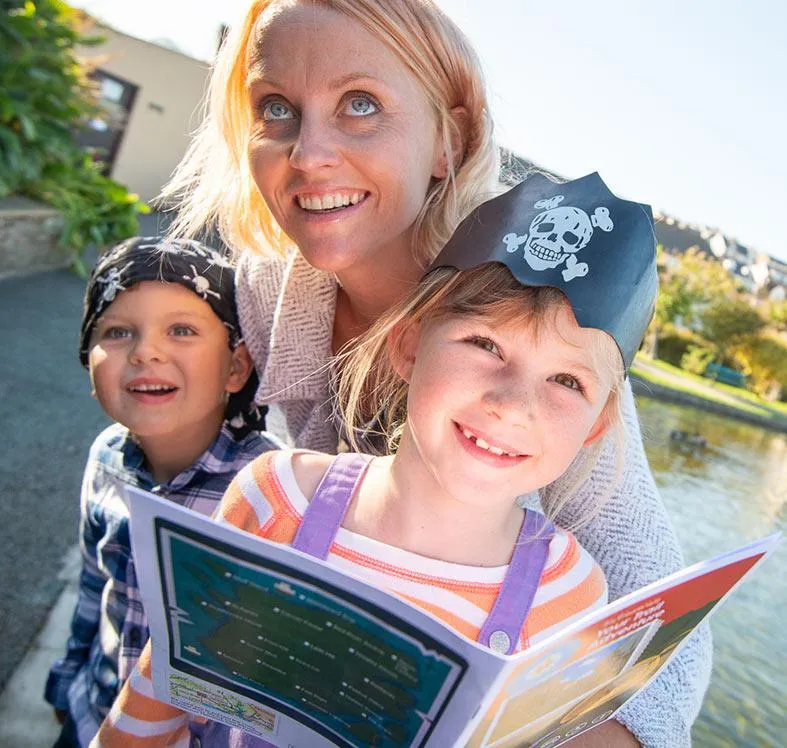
[344, 143]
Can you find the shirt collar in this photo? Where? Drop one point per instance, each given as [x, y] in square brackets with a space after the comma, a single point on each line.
[301, 334]
[222, 456]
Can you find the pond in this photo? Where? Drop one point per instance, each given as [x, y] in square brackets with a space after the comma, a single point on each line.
[732, 490]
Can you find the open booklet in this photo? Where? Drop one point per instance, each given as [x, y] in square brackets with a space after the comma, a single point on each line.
[288, 648]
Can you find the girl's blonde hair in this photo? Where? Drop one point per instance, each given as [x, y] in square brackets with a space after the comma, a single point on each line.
[213, 185]
[371, 397]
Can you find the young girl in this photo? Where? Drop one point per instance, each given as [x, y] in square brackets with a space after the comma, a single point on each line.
[491, 377]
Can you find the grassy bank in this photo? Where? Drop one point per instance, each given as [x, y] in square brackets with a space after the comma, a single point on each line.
[661, 380]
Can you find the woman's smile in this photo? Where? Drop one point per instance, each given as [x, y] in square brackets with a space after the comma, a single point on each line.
[332, 201]
[343, 152]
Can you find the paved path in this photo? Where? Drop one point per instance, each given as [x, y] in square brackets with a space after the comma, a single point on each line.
[47, 422]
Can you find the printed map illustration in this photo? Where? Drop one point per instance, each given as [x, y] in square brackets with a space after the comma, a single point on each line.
[330, 661]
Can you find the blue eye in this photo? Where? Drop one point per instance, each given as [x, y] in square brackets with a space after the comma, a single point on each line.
[485, 344]
[276, 110]
[182, 330]
[361, 106]
[117, 333]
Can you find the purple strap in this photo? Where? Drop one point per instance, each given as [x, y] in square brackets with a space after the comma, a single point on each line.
[325, 513]
[504, 623]
[319, 525]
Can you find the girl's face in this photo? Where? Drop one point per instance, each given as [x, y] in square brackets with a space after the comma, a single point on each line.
[494, 410]
[343, 144]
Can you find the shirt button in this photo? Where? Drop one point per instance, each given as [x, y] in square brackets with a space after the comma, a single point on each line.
[499, 641]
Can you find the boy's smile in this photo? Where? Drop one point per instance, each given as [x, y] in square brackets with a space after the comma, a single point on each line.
[161, 365]
[149, 390]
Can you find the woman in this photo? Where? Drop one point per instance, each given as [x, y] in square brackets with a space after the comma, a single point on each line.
[344, 141]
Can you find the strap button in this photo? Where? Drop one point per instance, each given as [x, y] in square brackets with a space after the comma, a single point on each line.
[499, 641]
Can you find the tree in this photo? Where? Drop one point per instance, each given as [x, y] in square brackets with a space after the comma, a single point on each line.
[688, 284]
[764, 360]
[776, 311]
[728, 322]
[45, 96]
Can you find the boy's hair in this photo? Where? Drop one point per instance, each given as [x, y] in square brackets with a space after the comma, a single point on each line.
[213, 183]
[372, 397]
[186, 262]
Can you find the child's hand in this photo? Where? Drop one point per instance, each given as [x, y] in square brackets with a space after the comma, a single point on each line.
[60, 715]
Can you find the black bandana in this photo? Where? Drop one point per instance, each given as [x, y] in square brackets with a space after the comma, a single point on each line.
[205, 271]
[599, 250]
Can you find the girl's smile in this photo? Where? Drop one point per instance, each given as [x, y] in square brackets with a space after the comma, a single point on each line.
[496, 410]
[492, 452]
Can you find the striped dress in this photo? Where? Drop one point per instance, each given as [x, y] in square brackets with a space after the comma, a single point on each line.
[266, 501]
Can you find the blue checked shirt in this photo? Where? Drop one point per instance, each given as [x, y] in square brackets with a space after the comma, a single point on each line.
[109, 629]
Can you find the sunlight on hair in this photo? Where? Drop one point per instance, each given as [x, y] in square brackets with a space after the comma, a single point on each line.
[372, 397]
[212, 187]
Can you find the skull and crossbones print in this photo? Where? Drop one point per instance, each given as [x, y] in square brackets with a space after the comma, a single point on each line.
[557, 234]
[201, 284]
[111, 283]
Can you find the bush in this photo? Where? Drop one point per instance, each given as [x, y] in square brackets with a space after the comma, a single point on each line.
[731, 321]
[764, 359]
[45, 96]
[697, 358]
[675, 342]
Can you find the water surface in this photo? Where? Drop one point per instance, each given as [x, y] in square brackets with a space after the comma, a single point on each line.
[732, 491]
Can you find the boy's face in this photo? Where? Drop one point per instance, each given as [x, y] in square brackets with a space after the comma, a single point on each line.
[161, 365]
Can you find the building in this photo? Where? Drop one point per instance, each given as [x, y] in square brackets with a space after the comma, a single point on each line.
[152, 96]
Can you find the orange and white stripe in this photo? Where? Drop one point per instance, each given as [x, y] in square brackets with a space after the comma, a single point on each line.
[265, 500]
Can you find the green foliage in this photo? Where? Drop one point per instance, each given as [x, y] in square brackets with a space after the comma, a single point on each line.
[776, 311]
[697, 358]
[764, 360]
[687, 284]
[45, 96]
[702, 317]
[674, 343]
[728, 321]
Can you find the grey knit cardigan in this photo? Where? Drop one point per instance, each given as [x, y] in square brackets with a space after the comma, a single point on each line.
[286, 311]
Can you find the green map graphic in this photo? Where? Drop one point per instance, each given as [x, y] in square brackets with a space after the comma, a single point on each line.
[315, 653]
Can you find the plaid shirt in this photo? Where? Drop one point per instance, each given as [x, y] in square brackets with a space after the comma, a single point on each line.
[108, 629]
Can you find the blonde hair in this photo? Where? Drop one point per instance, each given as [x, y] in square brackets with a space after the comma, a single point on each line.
[371, 396]
[213, 185]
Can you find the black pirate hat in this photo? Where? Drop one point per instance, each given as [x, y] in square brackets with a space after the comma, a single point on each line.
[599, 250]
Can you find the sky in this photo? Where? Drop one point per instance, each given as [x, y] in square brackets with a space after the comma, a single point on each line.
[678, 103]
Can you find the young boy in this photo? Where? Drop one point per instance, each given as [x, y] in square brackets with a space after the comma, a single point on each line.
[161, 339]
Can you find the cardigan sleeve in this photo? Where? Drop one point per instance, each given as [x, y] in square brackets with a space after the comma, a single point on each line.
[257, 284]
[634, 542]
